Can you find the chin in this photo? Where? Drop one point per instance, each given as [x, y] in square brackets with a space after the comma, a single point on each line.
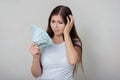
[56, 34]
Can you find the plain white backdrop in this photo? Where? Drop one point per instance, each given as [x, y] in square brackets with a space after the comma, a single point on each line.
[98, 25]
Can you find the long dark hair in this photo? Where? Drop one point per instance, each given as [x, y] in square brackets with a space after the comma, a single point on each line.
[64, 11]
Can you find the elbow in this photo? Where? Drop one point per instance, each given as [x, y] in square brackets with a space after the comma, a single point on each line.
[36, 75]
[74, 62]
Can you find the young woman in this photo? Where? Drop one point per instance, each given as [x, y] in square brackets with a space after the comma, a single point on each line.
[58, 61]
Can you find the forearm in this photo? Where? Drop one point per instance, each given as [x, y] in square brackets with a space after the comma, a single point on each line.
[36, 68]
[72, 53]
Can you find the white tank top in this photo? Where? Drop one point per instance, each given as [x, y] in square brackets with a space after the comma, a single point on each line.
[55, 63]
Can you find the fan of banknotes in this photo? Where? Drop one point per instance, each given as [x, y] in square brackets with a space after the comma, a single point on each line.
[40, 36]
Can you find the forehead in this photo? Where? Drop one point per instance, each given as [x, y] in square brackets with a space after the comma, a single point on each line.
[56, 17]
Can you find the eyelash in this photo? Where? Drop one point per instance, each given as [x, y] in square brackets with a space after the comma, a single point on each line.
[58, 22]
[52, 21]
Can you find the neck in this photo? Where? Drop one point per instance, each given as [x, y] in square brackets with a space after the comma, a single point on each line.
[58, 39]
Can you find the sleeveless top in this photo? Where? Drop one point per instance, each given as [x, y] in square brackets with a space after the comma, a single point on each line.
[55, 64]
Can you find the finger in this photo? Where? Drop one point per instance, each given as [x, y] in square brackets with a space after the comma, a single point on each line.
[33, 44]
[35, 52]
[36, 48]
[71, 18]
[67, 20]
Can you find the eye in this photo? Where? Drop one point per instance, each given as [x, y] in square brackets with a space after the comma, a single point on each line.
[60, 22]
[52, 21]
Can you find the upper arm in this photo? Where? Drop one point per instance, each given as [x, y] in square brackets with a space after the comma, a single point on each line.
[79, 52]
[78, 47]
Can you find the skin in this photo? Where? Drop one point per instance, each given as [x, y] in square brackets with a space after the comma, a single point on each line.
[36, 68]
[59, 28]
[72, 51]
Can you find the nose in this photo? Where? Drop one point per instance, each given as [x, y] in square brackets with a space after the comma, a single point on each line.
[56, 25]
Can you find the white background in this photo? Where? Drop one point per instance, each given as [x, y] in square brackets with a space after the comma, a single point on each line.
[98, 25]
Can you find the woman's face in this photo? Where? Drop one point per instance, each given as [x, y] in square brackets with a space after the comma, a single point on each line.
[57, 25]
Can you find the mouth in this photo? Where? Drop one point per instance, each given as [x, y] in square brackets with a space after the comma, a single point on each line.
[56, 30]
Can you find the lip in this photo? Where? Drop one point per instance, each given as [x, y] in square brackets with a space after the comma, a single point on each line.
[56, 30]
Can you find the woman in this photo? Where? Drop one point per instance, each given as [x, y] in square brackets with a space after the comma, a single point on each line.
[58, 61]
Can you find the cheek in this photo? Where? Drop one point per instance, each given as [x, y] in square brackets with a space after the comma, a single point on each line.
[52, 25]
[61, 26]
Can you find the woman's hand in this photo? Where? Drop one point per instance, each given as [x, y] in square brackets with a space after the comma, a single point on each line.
[69, 24]
[35, 51]
[36, 66]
